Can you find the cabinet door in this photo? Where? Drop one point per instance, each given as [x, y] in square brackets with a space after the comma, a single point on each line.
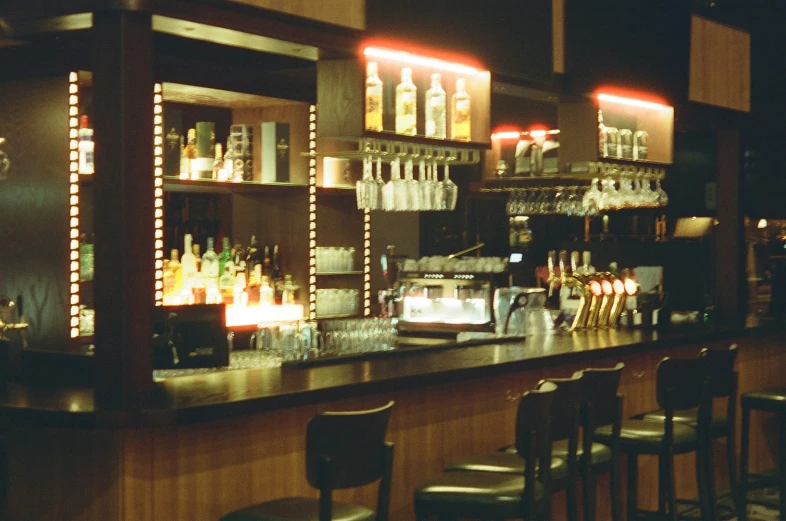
[34, 205]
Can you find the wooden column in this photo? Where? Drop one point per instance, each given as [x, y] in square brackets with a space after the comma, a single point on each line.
[729, 241]
[124, 263]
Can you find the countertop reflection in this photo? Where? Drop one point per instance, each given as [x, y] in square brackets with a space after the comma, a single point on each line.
[204, 397]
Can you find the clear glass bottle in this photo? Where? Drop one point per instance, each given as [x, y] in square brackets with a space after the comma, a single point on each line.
[169, 280]
[276, 276]
[86, 147]
[252, 257]
[406, 104]
[225, 256]
[288, 291]
[184, 162]
[436, 109]
[218, 164]
[188, 264]
[226, 285]
[177, 271]
[266, 297]
[197, 251]
[254, 284]
[460, 125]
[374, 99]
[210, 269]
[191, 154]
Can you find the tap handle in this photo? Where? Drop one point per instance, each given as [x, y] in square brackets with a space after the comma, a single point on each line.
[574, 262]
[552, 260]
[563, 261]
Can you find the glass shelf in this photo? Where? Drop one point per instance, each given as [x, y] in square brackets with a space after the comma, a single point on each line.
[338, 273]
[176, 184]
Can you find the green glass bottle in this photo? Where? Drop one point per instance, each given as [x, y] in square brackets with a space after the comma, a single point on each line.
[225, 255]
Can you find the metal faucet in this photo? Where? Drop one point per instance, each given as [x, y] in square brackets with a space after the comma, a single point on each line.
[7, 309]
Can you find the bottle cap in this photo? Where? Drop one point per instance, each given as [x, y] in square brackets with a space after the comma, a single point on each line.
[371, 68]
[406, 74]
[436, 78]
[83, 121]
[461, 84]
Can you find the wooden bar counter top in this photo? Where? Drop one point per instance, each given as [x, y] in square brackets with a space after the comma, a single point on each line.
[203, 445]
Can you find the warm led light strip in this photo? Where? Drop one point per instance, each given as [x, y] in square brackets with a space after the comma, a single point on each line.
[632, 102]
[73, 178]
[312, 212]
[366, 263]
[414, 59]
[158, 164]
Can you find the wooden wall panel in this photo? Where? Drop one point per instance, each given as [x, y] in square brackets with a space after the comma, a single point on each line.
[558, 35]
[349, 13]
[34, 205]
[720, 65]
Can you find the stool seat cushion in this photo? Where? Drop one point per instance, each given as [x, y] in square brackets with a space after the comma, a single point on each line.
[773, 400]
[646, 436]
[719, 425]
[474, 494]
[506, 462]
[298, 509]
[599, 453]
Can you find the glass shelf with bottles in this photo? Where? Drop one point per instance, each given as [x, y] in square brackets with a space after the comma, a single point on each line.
[248, 281]
[408, 96]
[225, 140]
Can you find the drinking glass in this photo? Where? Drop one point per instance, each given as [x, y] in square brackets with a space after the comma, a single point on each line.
[663, 198]
[380, 185]
[437, 196]
[426, 186]
[449, 191]
[412, 188]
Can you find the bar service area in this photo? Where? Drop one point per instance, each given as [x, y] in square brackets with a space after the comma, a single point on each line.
[223, 217]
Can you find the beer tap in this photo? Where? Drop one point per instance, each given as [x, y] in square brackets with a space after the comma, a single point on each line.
[618, 305]
[607, 287]
[570, 282]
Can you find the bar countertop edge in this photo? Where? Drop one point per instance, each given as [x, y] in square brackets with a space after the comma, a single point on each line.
[226, 394]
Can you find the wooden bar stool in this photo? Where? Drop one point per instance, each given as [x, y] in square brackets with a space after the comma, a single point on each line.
[499, 495]
[722, 385]
[343, 450]
[565, 417]
[681, 384]
[769, 400]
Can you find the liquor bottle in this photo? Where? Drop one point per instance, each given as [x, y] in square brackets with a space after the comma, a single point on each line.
[86, 147]
[267, 263]
[238, 257]
[252, 257]
[184, 161]
[436, 109]
[276, 276]
[266, 297]
[218, 164]
[169, 280]
[460, 126]
[188, 264]
[172, 155]
[373, 98]
[197, 250]
[191, 154]
[254, 284]
[288, 290]
[210, 265]
[177, 271]
[226, 285]
[199, 290]
[225, 256]
[406, 104]
[602, 146]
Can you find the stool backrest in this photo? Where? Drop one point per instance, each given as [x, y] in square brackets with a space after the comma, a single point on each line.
[600, 395]
[681, 382]
[532, 420]
[565, 406]
[723, 382]
[348, 449]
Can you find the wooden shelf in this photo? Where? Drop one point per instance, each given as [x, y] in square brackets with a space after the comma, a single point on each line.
[338, 273]
[347, 315]
[175, 184]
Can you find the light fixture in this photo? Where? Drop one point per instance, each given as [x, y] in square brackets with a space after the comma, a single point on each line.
[366, 262]
[312, 214]
[73, 190]
[762, 223]
[158, 203]
[631, 101]
[415, 59]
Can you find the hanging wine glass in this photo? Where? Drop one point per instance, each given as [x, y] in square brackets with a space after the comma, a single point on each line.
[592, 197]
[663, 198]
[400, 201]
[559, 200]
[413, 190]
[449, 190]
[388, 192]
[425, 186]
[367, 187]
[380, 190]
[438, 199]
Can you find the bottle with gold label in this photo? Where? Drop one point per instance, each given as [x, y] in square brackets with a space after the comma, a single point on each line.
[177, 272]
[191, 154]
[436, 107]
[460, 125]
[406, 104]
[373, 98]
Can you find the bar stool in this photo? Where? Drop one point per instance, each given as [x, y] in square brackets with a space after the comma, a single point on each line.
[602, 407]
[498, 495]
[343, 450]
[565, 417]
[722, 385]
[769, 400]
[681, 383]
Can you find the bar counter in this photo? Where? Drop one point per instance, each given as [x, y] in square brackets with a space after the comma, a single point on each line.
[204, 445]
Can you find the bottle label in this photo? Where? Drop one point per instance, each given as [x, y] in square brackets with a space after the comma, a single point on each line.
[408, 103]
[462, 111]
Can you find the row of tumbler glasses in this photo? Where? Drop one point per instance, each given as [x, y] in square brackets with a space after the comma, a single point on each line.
[332, 302]
[405, 194]
[361, 335]
[335, 260]
[602, 195]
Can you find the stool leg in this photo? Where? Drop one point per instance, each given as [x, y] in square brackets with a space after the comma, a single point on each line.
[589, 490]
[742, 500]
[701, 480]
[672, 494]
[731, 458]
[614, 489]
[663, 494]
[632, 486]
[782, 470]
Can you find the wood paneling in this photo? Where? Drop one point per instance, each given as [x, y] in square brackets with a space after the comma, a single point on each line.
[34, 206]
[720, 65]
[558, 35]
[202, 471]
[349, 13]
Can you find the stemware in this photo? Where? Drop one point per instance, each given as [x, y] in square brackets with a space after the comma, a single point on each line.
[663, 198]
[380, 191]
[412, 188]
[438, 199]
[426, 187]
[449, 190]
